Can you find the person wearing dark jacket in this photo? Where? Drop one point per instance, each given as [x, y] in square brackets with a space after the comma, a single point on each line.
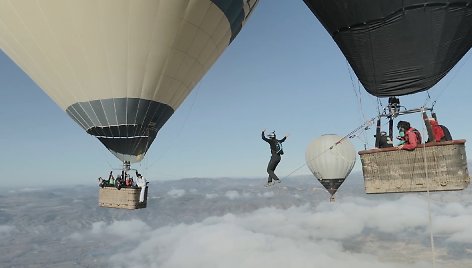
[384, 140]
[276, 152]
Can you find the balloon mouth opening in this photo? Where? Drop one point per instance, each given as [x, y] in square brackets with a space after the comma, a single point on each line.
[332, 185]
[127, 157]
[332, 191]
[127, 143]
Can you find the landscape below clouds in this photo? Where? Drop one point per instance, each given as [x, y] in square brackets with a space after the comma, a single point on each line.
[236, 223]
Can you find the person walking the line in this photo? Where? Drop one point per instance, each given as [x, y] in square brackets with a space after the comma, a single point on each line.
[276, 151]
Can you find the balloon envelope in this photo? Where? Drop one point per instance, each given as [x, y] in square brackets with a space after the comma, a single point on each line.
[330, 158]
[398, 47]
[119, 68]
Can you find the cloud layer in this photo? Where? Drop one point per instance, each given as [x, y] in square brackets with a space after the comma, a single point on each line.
[236, 223]
[355, 233]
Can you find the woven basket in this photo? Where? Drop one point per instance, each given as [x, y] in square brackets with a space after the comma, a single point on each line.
[124, 198]
[434, 166]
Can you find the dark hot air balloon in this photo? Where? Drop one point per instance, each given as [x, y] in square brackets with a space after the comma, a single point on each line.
[402, 47]
[398, 47]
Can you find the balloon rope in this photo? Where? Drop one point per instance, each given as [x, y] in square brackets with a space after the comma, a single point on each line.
[351, 134]
[295, 170]
[109, 165]
[431, 235]
[358, 96]
[452, 76]
[164, 151]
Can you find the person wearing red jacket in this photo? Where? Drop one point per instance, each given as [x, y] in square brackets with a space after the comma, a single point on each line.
[412, 136]
[438, 132]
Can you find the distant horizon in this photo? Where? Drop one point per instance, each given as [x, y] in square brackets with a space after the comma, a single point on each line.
[188, 222]
[95, 182]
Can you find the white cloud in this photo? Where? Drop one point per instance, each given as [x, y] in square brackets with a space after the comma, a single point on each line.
[235, 194]
[304, 237]
[388, 216]
[232, 195]
[350, 233]
[211, 196]
[176, 193]
[457, 227]
[26, 190]
[5, 230]
[266, 194]
[269, 237]
[128, 230]
[246, 195]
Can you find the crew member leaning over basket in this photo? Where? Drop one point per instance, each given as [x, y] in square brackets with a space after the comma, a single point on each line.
[412, 136]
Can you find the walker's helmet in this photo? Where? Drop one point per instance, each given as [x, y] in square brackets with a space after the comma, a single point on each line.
[271, 135]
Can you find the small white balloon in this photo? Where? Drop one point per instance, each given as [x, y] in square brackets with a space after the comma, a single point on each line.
[330, 158]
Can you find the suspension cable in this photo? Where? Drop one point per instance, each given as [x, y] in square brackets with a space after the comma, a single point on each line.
[379, 106]
[449, 81]
[362, 128]
[179, 131]
[431, 235]
[427, 99]
[454, 74]
[358, 94]
[109, 165]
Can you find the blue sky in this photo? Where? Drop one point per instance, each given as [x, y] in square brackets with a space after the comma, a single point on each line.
[283, 72]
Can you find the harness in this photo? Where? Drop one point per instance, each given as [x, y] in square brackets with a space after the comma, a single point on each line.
[279, 148]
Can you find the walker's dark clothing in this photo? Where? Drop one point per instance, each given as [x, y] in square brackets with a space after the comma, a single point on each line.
[273, 144]
[276, 151]
[274, 161]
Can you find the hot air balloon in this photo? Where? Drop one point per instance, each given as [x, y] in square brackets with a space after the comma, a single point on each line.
[119, 68]
[330, 158]
[398, 48]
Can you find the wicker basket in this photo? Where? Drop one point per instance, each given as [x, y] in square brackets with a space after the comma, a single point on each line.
[127, 198]
[434, 166]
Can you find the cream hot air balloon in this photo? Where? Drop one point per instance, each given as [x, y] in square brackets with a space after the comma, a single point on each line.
[119, 68]
[330, 158]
